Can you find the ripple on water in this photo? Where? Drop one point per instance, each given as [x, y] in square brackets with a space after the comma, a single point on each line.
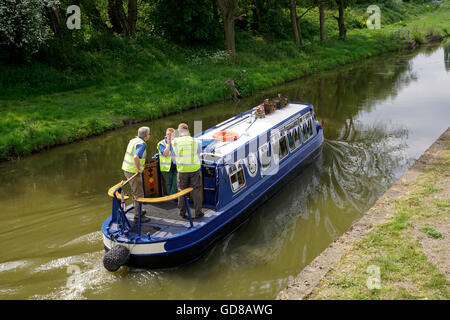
[12, 265]
[90, 238]
[83, 273]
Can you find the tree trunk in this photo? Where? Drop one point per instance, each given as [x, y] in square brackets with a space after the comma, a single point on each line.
[229, 36]
[256, 12]
[114, 17]
[122, 17]
[53, 15]
[120, 22]
[341, 21]
[228, 11]
[132, 16]
[293, 11]
[94, 15]
[322, 21]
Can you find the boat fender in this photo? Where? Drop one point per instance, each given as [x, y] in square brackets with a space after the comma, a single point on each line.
[319, 124]
[116, 257]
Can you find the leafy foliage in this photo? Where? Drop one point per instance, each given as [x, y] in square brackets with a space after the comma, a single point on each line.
[186, 21]
[22, 25]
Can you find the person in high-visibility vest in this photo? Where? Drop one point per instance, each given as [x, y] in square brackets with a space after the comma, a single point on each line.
[166, 165]
[186, 156]
[134, 162]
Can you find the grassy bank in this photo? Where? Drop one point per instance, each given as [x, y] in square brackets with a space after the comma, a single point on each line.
[410, 250]
[109, 82]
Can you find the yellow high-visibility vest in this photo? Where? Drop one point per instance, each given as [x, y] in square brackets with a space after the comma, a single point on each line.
[185, 150]
[128, 160]
[164, 162]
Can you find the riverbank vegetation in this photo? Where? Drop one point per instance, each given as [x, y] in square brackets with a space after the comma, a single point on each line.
[149, 59]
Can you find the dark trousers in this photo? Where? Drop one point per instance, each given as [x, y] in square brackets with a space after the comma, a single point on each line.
[194, 180]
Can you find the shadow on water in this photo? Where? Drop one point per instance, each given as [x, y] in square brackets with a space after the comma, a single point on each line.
[57, 200]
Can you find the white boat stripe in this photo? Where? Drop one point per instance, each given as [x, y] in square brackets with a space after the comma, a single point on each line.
[144, 248]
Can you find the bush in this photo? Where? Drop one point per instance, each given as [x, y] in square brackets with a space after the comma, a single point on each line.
[276, 24]
[22, 25]
[186, 21]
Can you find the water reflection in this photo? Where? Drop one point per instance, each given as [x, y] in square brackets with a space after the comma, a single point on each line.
[321, 203]
[374, 128]
[447, 56]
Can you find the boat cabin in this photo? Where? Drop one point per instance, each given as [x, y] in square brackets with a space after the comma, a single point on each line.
[253, 149]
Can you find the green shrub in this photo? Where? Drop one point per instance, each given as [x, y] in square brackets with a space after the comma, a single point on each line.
[186, 21]
[431, 232]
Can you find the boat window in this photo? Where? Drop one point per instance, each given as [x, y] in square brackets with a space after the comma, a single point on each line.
[293, 136]
[279, 146]
[305, 133]
[237, 178]
[252, 164]
[306, 127]
[284, 151]
[275, 142]
[264, 156]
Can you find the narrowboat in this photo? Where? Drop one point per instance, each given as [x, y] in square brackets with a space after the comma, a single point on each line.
[244, 161]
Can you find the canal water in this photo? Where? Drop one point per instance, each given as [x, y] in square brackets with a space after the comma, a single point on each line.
[380, 115]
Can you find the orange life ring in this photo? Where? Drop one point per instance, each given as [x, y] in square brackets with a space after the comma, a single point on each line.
[225, 136]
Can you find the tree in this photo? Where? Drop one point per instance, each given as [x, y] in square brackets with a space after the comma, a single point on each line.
[53, 15]
[340, 19]
[256, 14]
[268, 17]
[321, 4]
[295, 19]
[295, 26]
[186, 21]
[132, 16]
[228, 9]
[91, 11]
[120, 22]
[113, 16]
[22, 25]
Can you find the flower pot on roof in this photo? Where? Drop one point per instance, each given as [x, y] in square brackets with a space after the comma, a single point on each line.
[268, 106]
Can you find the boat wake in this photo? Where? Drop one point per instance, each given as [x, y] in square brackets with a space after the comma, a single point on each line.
[85, 273]
[357, 170]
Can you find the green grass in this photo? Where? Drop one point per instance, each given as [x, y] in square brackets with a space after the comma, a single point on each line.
[442, 204]
[431, 232]
[405, 272]
[67, 94]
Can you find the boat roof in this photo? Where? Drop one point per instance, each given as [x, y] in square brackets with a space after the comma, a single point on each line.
[248, 127]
